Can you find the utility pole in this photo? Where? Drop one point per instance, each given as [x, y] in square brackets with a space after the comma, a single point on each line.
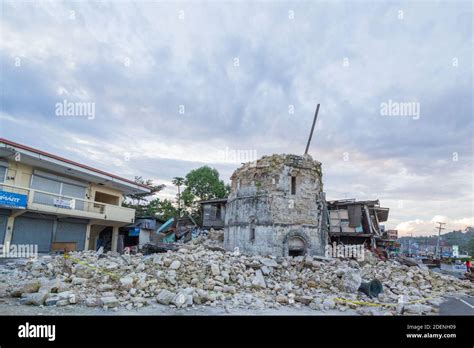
[409, 244]
[440, 227]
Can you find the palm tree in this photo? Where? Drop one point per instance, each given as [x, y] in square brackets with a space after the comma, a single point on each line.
[178, 181]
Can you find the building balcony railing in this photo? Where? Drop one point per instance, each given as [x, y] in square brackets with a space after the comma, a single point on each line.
[48, 202]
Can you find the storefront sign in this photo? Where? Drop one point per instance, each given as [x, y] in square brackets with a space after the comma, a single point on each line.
[64, 203]
[13, 200]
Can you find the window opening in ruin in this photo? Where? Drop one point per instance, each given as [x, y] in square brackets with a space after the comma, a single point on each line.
[252, 234]
[293, 185]
[218, 212]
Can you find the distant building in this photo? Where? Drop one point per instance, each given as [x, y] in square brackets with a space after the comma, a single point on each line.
[213, 213]
[141, 232]
[55, 203]
[392, 234]
[357, 222]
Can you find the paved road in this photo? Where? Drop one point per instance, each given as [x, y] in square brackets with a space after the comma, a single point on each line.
[462, 305]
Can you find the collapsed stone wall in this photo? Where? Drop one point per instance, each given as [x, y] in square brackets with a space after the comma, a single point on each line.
[274, 201]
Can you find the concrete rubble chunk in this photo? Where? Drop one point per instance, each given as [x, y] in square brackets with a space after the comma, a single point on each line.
[165, 297]
[91, 302]
[259, 281]
[269, 262]
[109, 301]
[175, 264]
[351, 280]
[126, 282]
[215, 269]
[26, 287]
[179, 299]
[51, 301]
[35, 299]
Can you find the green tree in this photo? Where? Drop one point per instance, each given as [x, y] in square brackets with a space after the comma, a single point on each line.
[201, 184]
[166, 209]
[139, 201]
[178, 181]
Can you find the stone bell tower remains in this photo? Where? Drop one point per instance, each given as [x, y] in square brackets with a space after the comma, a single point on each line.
[277, 207]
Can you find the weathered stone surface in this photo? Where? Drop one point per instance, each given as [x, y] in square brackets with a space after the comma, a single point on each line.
[281, 299]
[304, 299]
[126, 282]
[35, 299]
[179, 300]
[26, 287]
[215, 269]
[61, 303]
[217, 235]
[329, 303]
[259, 281]
[351, 280]
[269, 262]
[79, 281]
[175, 264]
[51, 300]
[417, 308]
[267, 216]
[91, 302]
[109, 301]
[3, 290]
[165, 297]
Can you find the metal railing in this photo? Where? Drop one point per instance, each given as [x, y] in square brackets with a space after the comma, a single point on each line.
[110, 212]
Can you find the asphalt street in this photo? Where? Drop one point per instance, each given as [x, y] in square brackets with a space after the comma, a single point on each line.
[462, 305]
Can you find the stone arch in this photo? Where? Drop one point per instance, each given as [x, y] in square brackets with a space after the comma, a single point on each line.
[296, 243]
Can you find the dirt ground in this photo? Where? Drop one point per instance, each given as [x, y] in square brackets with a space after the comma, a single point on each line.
[11, 307]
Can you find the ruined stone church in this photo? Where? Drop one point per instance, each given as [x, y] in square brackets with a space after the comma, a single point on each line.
[277, 207]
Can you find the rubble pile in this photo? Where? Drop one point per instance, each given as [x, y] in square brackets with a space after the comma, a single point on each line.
[200, 273]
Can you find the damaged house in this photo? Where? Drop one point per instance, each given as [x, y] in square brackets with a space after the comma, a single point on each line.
[277, 207]
[359, 222]
[213, 213]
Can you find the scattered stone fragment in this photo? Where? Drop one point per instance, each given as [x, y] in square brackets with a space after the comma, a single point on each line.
[109, 301]
[165, 297]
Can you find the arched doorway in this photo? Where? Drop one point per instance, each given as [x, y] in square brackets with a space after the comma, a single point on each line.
[296, 243]
[296, 246]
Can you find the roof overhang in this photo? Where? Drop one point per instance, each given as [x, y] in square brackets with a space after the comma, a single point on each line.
[382, 213]
[56, 164]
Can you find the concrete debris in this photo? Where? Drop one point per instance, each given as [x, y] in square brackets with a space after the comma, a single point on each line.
[35, 299]
[259, 281]
[109, 301]
[196, 275]
[217, 235]
[165, 297]
[351, 280]
[26, 287]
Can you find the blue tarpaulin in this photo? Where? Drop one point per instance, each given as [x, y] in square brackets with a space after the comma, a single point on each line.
[135, 232]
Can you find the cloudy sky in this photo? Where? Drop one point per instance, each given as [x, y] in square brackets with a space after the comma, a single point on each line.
[171, 86]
